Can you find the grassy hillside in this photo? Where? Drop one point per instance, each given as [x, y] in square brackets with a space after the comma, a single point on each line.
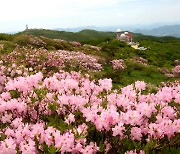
[70, 36]
[89, 35]
[162, 53]
[160, 56]
[10, 42]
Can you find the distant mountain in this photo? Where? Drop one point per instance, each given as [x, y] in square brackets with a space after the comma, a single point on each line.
[133, 27]
[78, 29]
[171, 30]
[104, 29]
[108, 28]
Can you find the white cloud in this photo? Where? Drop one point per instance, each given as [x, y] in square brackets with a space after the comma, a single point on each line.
[120, 15]
[29, 9]
[70, 13]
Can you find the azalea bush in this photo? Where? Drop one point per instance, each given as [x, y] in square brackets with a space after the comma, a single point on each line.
[69, 113]
[118, 64]
[33, 59]
[50, 62]
[80, 60]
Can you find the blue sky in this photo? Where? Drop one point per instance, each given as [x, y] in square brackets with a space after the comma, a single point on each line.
[15, 14]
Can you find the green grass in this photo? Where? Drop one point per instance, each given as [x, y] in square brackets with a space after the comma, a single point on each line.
[132, 73]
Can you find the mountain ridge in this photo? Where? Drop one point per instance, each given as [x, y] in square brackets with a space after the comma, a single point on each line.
[88, 35]
[83, 35]
[167, 30]
[161, 30]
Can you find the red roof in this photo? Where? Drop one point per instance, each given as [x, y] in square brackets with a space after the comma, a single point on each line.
[129, 35]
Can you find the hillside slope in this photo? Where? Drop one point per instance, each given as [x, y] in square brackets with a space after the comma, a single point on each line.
[159, 59]
[70, 36]
[88, 35]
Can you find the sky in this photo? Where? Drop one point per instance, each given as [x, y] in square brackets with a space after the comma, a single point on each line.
[51, 14]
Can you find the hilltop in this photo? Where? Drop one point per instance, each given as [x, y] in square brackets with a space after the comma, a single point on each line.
[70, 36]
[89, 35]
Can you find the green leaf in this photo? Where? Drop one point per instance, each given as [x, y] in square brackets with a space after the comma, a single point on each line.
[14, 94]
[52, 149]
[2, 137]
[52, 107]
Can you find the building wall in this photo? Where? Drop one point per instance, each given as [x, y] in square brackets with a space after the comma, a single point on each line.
[127, 38]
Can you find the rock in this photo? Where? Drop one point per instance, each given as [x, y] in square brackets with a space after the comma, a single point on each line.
[177, 62]
[1, 46]
[169, 75]
[176, 71]
[140, 60]
[74, 43]
[92, 47]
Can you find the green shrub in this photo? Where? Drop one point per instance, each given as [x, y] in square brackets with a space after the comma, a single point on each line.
[7, 47]
[6, 37]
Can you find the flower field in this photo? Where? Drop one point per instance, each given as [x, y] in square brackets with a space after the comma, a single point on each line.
[46, 109]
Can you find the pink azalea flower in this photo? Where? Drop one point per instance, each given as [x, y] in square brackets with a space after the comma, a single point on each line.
[140, 85]
[136, 133]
